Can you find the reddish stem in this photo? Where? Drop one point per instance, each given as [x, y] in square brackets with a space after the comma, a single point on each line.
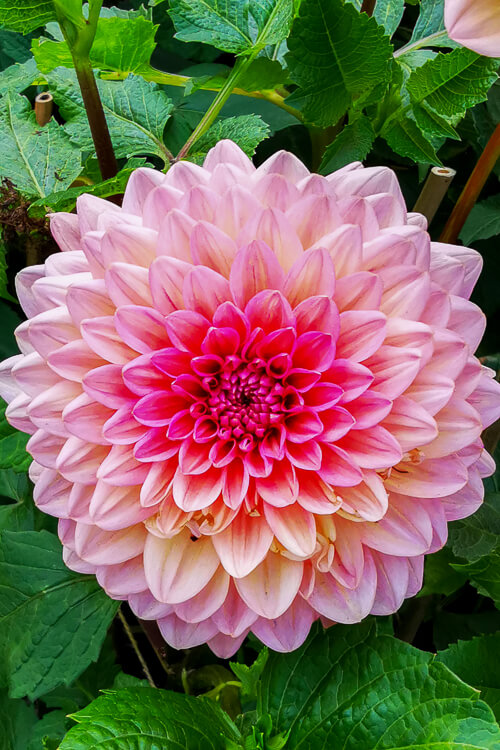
[471, 191]
[97, 121]
[368, 7]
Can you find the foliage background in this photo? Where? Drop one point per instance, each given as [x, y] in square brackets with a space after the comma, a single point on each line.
[396, 91]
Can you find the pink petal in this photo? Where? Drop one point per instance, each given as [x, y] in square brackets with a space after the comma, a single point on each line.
[361, 334]
[293, 527]
[341, 604]
[243, 544]
[272, 586]
[254, 269]
[289, 631]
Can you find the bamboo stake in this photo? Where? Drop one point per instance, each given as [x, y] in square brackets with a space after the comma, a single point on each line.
[44, 104]
[435, 188]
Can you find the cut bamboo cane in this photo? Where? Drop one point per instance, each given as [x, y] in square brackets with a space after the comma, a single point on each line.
[435, 188]
[44, 103]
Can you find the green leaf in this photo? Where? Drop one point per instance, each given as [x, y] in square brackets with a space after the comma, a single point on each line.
[66, 201]
[122, 44]
[51, 728]
[388, 13]
[13, 48]
[352, 688]
[18, 77]
[453, 82]
[430, 23]
[13, 452]
[353, 143]
[483, 221]
[476, 662]
[26, 16]
[336, 54]
[432, 124]
[136, 112]
[16, 722]
[439, 576]
[247, 131]
[405, 137]
[236, 26]
[484, 574]
[53, 621]
[478, 535]
[262, 73]
[150, 719]
[38, 160]
[4, 293]
[250, 676]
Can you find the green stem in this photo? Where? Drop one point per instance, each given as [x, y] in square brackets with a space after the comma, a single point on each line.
[274, 96]
[136, 648]
[472, 189]
[216, 106]
[427, 41]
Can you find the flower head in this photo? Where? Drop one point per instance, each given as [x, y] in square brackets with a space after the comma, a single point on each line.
[252, 395]
[474, 24]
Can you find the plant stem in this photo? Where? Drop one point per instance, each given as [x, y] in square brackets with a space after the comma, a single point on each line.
[216, 106]
[472, 189]
[368, 6]
[427, 41]
[154, 637]
[95, 114]
[136, 648]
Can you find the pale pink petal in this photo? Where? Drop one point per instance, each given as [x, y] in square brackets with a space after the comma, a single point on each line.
[272, 586]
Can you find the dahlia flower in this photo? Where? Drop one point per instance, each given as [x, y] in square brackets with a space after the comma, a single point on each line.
[252, 395]
[474, 24]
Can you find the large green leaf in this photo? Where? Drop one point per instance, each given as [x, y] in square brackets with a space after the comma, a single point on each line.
[148, 719]
[476, 662]
[439, 576]
[136, 112]
[406, 138]
[355, 689]
[38, 160]
[52, 621]
[17, 77]
[122, 44]
[353, 143]
[66, 201]
[336, 54]
[26, 16]
[236, 26]
[247, 131]
[388, 13]
[16, 723]
[478, 535]
[453, 82]
[483, 221]
[484, 574]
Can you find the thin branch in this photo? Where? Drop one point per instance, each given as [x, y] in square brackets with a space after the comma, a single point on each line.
[136, 648]
[156, 641]
[368, 6]
[472, 189]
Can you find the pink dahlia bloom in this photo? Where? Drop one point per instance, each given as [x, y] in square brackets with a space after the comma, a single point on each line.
[474, 24]
[252, 395]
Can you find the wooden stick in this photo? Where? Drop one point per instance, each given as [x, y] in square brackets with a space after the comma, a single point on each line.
[435, 188]
[471, 191]
[44, 103]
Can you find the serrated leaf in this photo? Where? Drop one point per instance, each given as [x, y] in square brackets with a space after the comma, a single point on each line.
[16, 722]
[121, 44]
[439, 576]
[388, 13]
[247, 131]
[53, 621]
[18, 77]
[149, 719]
[26, 16]
[50, 729]
[484, 574]
[67, 201]
[479, 534]
[262, 73]
[483, 221]
[335, 54]
[250, 676]
[432, 124]
[406, 138]
[476, 662]
[353, 143]
[352, 688]
[453, 82]
[136, 112]
[38, 160]
[236, 26]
